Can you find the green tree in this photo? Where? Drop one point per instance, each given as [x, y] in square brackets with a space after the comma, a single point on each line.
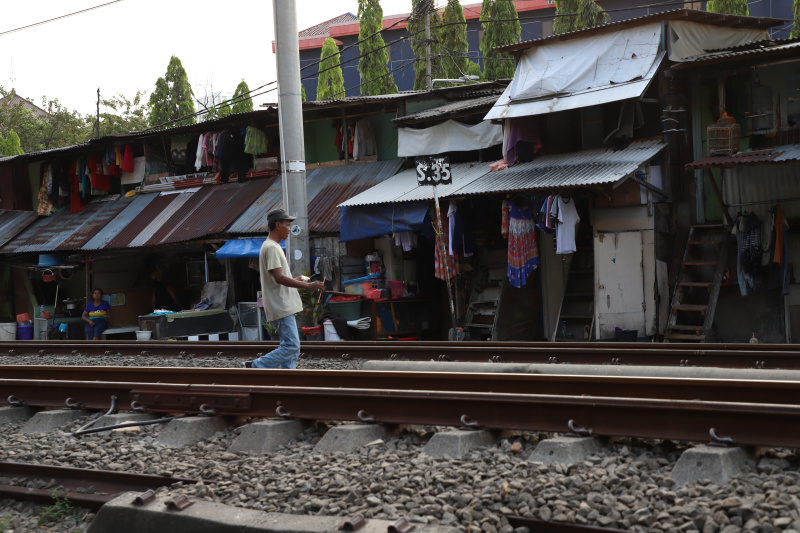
[578, 15]
[416, 34]
[373, 64]
[125, 116]
[474, 69]
[172, 97]
[57, 127]
[224, 109]
[501, 26]
[796, 28]
[10, 145]
[242, 103]
[728, 7]
[330, 83]
[453, 40]
[303, 92]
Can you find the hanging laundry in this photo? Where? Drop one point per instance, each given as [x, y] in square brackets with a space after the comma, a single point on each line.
[127, 159]
[452, 260]
[565, 229]
[523, 251]
[524, 139]
[748, 251]
[406, 239]
[46, 179]
[364, 141]
[459, 220]
[255, 141]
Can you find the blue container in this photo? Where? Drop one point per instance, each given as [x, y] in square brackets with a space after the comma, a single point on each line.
[24, 333]
[48, 260]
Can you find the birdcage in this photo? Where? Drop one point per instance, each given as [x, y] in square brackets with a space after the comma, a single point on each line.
[723, 137]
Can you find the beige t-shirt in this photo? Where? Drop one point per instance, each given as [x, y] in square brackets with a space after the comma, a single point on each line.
[279, 300]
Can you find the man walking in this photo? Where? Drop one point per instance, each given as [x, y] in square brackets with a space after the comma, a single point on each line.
[279, 294]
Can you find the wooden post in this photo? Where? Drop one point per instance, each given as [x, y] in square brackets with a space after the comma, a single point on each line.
[719, 196]
[443, 251]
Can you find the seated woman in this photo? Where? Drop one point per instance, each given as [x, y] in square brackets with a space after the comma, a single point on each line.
[95, 314]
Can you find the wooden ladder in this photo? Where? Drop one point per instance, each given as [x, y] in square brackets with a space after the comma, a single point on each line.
[695, 298]
[484, 303]
[577, 305]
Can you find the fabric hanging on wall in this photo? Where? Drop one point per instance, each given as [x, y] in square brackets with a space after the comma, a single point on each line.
[524, 139]
[136, 175]
[178, 146]
[363, 141]
[450, 136]
[523, 251]
[504, 220]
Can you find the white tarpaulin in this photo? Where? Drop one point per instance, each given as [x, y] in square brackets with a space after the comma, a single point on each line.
[581, 72]
[689, 39]
[450, 136]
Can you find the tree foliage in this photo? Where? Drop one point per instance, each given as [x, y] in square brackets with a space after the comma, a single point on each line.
[242, 103]
[796, 27]
[122, 115]
[59, 127]
[453, 41]
[416, 34]
[172, 97]
[729, 7]
[578, 15]
[10, 145]
[501, 26]
[474, 69]
[330, 83]
[373, 64]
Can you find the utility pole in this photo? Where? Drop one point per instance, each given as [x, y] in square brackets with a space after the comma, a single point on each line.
[290, 116]
[97, 120]
[428, 80]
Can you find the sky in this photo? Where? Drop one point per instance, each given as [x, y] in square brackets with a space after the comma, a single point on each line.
[124, 47]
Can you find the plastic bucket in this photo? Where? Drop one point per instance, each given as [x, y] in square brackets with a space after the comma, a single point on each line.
[24, 333]
[8, 331]
[346, 310]
[143, 335]
[330, 332]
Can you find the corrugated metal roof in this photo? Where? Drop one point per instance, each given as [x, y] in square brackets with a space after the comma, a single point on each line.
[326, 187]
[65, 231]
[450, 108]
[13, 222]
[758, 48]
[787, 153]
[322, 28]
[690, 15]
[181, 216]
[119, 222]
[404, 188]
[578, 169]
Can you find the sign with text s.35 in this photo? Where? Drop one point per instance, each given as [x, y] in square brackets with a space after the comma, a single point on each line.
[433, 171]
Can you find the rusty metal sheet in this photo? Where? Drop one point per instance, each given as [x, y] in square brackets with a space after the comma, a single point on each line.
[65, 231]
[13, 222]
[780, 154]
[326, 188]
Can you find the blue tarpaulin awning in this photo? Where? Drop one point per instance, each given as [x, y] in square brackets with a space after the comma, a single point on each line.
[237, 248]
[363, 221]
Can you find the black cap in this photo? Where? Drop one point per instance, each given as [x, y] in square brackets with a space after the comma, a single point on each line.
[277, 215]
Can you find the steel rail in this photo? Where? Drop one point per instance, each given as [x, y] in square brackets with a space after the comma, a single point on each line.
[107, 484]
[783, 356]
[682, 420]
[749, 391]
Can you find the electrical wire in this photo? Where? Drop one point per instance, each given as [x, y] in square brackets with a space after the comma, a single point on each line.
[58, 18]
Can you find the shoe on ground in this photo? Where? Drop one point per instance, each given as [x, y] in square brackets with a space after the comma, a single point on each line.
[247, 364]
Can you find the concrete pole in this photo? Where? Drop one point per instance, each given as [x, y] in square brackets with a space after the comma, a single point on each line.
[293, 160]
[428, 79]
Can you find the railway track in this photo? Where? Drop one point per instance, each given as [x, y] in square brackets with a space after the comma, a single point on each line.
[757, 413]
[80, 486]
[773, 356]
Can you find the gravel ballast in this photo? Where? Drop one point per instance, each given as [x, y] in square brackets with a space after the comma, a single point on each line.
[626, 485]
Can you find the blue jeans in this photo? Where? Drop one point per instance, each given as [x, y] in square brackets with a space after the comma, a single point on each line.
[285, 355]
